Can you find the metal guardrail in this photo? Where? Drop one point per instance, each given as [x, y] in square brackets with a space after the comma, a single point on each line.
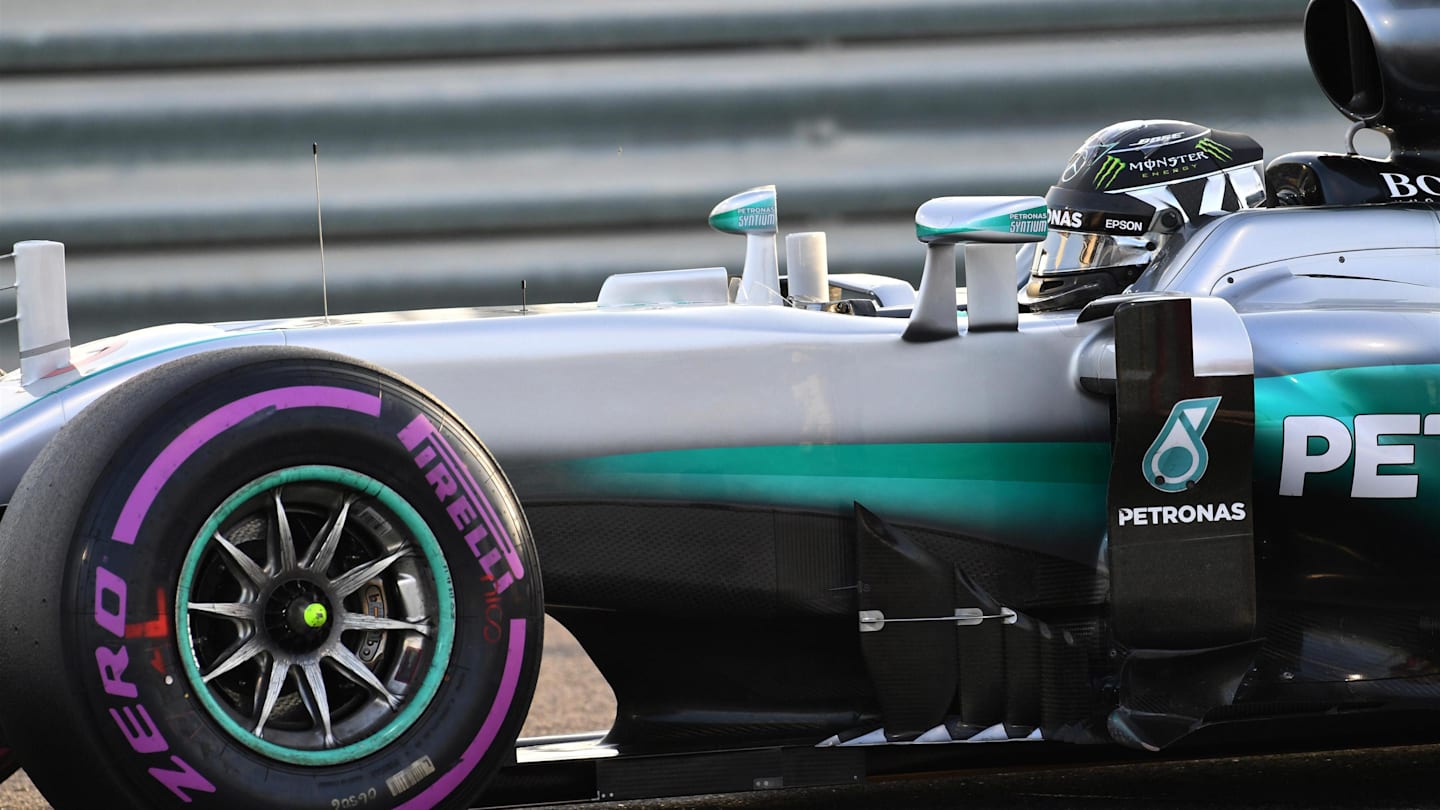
[465, 146]
[650, 100]
[158, 35]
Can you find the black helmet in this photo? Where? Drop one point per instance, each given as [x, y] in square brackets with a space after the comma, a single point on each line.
[1131, 188]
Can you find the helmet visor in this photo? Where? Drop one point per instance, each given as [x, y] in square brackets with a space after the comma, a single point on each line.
[1078, 251]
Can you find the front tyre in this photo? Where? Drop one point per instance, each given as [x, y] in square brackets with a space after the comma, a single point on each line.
[266, 577]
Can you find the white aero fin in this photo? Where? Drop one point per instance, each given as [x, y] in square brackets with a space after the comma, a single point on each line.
[752, 213]
[990, 227]
[40, 310]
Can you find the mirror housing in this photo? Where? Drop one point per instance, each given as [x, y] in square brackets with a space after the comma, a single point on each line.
[752, 213]
[990, 220]
[990, 227]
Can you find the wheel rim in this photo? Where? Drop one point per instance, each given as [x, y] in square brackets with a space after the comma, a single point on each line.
[315, 615]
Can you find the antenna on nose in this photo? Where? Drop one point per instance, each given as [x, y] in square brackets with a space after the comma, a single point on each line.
[320, 227]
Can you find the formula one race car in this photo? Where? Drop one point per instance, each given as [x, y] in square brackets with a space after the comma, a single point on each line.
[808, 528]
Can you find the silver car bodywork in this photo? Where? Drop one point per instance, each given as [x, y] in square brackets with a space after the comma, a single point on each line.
[1315, 289]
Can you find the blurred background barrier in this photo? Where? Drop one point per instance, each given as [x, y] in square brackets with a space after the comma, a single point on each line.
[465, 146]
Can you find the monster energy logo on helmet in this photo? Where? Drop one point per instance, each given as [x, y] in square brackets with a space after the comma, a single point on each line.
[1134, 154]
[1216, 150]
[1109, 170]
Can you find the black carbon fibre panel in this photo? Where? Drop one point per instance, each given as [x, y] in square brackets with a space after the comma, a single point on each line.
[716, 625]
[726, 772]
[814, 565]
[1022, 672]
[1019, 578]
[1065, 685]
[681, 681]
[670, 556]
[912, 663]
[981, 650]
[683, 560]
[1179, 585]
[1166, 694]
[1344, 645]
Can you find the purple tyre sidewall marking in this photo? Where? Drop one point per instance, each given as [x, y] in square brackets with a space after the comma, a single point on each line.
[492, 521]
[158, 474]
[447, 784]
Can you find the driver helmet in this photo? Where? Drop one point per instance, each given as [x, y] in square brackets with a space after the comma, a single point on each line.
[1131, 190]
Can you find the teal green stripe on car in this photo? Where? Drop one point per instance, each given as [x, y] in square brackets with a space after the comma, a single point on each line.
[980, 489]
[1342, 394]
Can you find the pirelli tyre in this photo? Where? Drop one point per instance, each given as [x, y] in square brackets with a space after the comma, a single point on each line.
[266, 577]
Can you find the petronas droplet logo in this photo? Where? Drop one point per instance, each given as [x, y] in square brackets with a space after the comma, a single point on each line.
[1177, 458]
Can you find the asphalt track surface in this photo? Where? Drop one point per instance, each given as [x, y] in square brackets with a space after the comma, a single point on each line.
[572, 697]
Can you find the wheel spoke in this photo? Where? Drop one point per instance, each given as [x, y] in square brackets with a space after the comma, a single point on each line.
[350, 581]
[283, 538]
[261, 652]
[251, 648]
[320, 559]
[279, 671]
[355, 669]
[317, 699]
[247, 566]
[230, 610]
[361, 621]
